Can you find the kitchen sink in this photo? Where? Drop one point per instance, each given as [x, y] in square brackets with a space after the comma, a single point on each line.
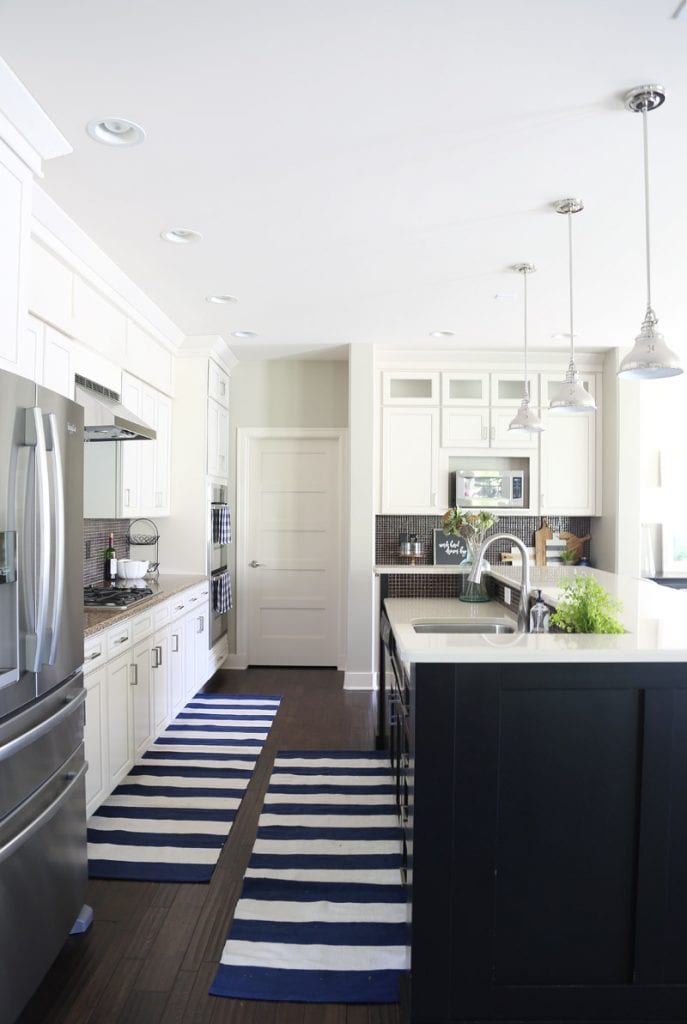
[464, 626]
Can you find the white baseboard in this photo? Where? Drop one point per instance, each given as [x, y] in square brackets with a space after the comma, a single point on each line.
[360, 681]
[238, 661]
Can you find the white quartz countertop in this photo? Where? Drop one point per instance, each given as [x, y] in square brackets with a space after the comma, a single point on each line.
[654, 617]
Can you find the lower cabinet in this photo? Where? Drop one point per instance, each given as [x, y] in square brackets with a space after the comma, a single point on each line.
[148, 678]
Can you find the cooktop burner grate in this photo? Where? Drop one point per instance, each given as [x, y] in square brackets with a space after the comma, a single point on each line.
[114, 597]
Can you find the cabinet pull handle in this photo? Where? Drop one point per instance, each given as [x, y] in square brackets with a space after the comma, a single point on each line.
[201, 624]
[134, 675]
[179, 608]
[159, 652]
[175, 643]
[193, 599]
[122, 639]
[92, 657]
[127, 495]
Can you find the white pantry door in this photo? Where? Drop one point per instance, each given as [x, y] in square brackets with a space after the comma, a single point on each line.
[293, 550]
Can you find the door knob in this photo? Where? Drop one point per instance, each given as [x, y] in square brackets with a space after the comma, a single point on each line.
[254, 564]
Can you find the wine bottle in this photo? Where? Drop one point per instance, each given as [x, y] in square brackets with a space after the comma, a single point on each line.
[110, 561]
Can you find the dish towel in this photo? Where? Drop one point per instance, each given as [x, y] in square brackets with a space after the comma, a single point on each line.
[221, 524]
[221, 592]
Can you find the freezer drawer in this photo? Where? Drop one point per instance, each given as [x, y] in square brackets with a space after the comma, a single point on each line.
[36, 741]
[43, 873]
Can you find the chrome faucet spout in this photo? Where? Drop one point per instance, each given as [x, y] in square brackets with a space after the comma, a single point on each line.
[476, 575]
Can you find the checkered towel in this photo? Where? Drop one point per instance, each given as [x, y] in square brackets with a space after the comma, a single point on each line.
[221, 592]
[221, 524]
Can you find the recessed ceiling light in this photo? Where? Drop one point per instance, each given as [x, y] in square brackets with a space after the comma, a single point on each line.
[180, 236]
[244, 334]
[442, 334]
[221, 299]
[116, 131]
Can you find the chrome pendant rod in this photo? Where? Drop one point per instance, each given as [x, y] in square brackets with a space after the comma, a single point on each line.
[524, 331]
[645, 107]
[570, 283]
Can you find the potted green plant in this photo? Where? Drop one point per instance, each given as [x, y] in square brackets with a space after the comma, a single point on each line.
[586, 607]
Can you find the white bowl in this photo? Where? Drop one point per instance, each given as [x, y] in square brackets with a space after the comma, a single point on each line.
[131, 568]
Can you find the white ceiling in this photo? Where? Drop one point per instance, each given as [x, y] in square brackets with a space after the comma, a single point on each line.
[367, 170]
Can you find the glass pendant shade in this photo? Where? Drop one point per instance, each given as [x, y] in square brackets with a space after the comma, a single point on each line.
[650, 358]
[526, 418]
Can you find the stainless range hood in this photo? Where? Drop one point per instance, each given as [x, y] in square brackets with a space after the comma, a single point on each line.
[105, 419]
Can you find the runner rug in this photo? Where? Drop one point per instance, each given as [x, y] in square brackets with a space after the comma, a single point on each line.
[322, 914]
[170, 817]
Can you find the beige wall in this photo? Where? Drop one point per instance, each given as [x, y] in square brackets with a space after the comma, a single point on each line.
[289, 393]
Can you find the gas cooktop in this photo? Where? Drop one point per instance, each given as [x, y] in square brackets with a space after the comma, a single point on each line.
[114, 597]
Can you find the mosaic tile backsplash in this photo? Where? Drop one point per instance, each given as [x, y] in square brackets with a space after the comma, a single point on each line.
[388, 528]
[95, 536]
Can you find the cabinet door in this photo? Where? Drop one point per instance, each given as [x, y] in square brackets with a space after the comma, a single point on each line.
[202, 647]
[119, 738]
[131, 450]
[163, 454]
[189, 655]
[95, 738]
[218, 439]
[160, 679]
[218, 384]
[56, 372]
[15, 213]
[141, 696]
[50, 287]
[464, 389]
[410, 457]
[409, 387]
[148, 452]
[177, 666]
[465, 427]
[507, 389]
[568, 457]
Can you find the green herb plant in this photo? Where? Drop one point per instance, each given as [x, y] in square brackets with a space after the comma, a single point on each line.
[586, 607]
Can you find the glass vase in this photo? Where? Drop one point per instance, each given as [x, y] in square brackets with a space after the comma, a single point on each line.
[474, 593]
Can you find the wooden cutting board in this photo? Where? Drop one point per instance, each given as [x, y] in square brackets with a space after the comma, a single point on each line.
[573, 542]
[541, 536]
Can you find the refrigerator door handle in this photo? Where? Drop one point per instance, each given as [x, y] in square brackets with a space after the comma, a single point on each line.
[13, 746]
[52, 442]
[44, 817]
[35, 438]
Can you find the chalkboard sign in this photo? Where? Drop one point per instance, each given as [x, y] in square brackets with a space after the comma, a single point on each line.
[449, 550]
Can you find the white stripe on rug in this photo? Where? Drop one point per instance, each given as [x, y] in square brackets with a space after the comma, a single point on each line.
[323, 913]
[170, 817]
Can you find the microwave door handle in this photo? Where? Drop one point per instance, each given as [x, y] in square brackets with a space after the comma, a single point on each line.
[52, 441]
[35, 438]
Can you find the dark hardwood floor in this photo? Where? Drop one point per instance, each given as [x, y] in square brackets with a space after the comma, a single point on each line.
[151, 952]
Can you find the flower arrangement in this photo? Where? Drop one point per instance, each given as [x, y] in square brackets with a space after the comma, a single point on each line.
[471, 526]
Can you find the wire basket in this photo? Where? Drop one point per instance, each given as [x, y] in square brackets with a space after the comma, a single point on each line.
[144, 533]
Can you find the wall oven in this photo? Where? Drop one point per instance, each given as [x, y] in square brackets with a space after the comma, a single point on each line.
[219, 538]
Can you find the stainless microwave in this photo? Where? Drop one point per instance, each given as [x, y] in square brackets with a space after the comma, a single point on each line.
[488, 488]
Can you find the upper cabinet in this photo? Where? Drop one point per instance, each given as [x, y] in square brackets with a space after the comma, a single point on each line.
[15, 209]
[569, 464]
[145, 465]
[429, 418]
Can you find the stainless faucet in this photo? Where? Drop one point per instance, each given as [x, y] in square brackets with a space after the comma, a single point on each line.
[476, 575]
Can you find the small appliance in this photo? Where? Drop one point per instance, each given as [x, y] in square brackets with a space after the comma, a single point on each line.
[488, 488]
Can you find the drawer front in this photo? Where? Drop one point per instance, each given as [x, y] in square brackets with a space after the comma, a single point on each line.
[94, 652]
[118, 639]
[142, 625]
[178, 605]
[161, 614]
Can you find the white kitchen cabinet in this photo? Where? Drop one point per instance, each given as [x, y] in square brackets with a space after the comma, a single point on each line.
[477, 409]
[218, 384]
[15, 212]
[410, 387]
[218, 439]
[568, 473]
[51, 285]
[160, 679]
[47, 357]
[98, 322]
[142, 702]
[145, 465]
[120, 748]
[464, 388]
[410, 460]
[176, 666]
[95, 736]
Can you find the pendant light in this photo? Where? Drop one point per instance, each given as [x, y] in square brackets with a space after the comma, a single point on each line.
[526, 418]
[650, 358]
[571, 396]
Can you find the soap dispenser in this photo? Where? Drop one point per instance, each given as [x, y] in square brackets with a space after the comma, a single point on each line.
[539, 616]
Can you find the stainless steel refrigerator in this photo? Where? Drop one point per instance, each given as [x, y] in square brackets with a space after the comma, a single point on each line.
[43, 866]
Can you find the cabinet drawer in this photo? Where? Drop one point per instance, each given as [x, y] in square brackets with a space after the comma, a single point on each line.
[118, 639]
[161, 614]
[94, 652]
[142, 625]
[178, 605]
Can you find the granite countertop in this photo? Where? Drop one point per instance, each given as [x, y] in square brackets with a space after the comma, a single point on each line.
[653, 616]
[165, 586]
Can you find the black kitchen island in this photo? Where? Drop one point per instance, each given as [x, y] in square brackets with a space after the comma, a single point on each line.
[549, 874]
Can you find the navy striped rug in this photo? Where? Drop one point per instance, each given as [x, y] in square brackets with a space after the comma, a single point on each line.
[170, 817]
[322, 914]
